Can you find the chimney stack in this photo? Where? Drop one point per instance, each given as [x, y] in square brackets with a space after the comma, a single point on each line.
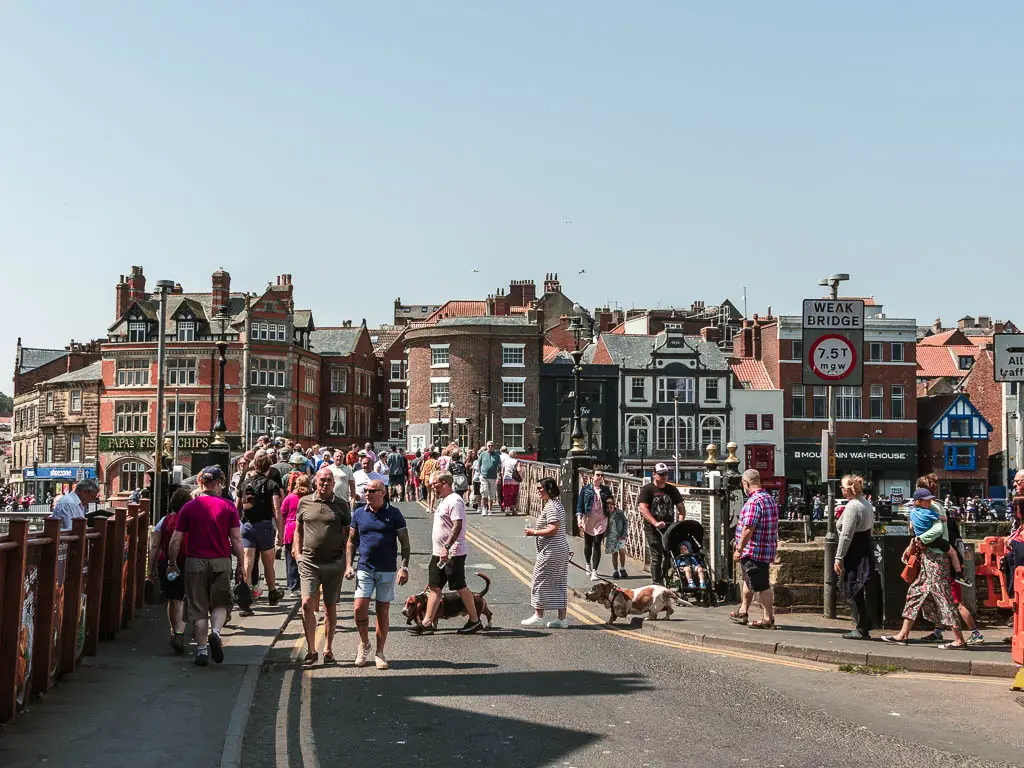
[221, 290]
[136, 285]
[123, 291]
[711, 333]
[551, 284]
[755, 349]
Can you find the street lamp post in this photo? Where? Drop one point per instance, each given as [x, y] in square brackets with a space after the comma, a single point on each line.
[269, 408]
[642, 444]
[575, 326]
[156, 511]
[220, 442]
[831, 535]
[675, 430]
[864, 441]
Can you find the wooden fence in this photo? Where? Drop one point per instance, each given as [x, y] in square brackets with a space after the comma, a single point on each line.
[63, 591]
[532, 472]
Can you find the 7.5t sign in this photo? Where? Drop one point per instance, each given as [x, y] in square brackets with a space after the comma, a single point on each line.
[833, 336]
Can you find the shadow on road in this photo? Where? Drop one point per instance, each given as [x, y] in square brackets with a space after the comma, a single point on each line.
[403, 719]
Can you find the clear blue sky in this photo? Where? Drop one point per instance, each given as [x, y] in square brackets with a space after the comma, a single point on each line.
[676, 150]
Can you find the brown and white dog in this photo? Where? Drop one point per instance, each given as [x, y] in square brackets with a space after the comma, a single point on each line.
[451, 605]
[652, 600]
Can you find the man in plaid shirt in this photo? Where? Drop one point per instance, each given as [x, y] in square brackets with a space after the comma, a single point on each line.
[757, 537]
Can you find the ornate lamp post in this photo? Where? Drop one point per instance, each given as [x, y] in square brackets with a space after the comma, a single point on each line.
[575, 326]
[156, 499]
[269, 407]
[220, 442]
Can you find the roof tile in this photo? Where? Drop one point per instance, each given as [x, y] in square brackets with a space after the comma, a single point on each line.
[752, 372]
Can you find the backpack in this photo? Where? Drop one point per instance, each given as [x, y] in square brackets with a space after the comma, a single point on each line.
[253, 491]
[167, 530]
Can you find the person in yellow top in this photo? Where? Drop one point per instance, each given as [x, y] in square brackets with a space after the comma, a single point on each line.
[430, 466]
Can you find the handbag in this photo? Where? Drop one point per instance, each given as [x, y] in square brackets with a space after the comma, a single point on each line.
[911, 569]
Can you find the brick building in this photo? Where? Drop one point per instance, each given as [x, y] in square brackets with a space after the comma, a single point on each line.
[270, 376]
[69, 426]
[876, 429]
[960, 359]
[393, 377]
[349, 383]
[477, 374]
[953, 443]
[649, 322]
[413, 313]
[32, 367]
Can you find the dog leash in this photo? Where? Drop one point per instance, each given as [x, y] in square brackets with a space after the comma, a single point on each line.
[587, 570]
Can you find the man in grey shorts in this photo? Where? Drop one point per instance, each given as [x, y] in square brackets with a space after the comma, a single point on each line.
[321, 535]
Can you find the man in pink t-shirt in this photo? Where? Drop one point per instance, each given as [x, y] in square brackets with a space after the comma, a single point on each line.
[448, 556]
[214, 531]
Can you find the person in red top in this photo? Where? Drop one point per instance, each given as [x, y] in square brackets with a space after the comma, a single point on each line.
[173, 589]
[214, 532]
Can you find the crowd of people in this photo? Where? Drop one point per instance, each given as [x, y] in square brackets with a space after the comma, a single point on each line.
[330, 514]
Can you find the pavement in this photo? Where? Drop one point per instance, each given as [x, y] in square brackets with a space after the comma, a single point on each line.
[800, 635]
[592, 696]
[136, 704]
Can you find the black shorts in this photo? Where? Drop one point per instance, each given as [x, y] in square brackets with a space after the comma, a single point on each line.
[173, 590]
[755, 574]
[453, 575]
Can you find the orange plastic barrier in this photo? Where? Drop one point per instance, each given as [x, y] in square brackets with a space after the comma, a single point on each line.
[1018, 616]
[992, 551]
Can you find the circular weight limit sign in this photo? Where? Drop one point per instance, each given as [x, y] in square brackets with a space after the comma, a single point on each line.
[833, 357]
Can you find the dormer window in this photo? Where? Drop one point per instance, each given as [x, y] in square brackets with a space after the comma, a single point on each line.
[964, 362]
[137, 330]
[186, 330]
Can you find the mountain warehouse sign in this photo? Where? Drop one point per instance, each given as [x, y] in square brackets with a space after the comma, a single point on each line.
[890, 454]
[148, 442]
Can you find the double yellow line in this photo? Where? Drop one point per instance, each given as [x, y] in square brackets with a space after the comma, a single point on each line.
[585, 616]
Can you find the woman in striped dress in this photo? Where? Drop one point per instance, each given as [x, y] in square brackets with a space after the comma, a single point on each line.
[548, 592]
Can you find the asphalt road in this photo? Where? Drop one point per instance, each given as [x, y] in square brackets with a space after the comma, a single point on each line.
[588, 697]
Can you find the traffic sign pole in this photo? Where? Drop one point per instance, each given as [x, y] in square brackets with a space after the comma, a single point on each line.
[833, 343]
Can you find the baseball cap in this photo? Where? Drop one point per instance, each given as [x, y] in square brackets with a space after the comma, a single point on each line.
[923, 494]
[661, 469]
[211, 474]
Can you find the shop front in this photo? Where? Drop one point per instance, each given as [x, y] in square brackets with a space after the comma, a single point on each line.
[125, 460]
[55, 479]
[889, 468]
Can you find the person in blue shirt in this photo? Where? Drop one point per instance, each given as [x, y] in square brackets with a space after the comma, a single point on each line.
[379, 528]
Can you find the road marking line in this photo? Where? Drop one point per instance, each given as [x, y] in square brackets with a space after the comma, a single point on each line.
[586, 617]
[927, 676]
[307, 742]
[281, 758]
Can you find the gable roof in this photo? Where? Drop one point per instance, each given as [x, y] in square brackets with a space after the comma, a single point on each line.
[384, 338]
[945, 338]
[302, 318]
[32, 358]
[201, 305]
[752, 373]
[91, 372]
[944, 361]
[709, 355]
[339, 342]
[628, 350]
[932, 410]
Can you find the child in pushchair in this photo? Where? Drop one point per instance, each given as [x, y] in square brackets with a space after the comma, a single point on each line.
[683, 545]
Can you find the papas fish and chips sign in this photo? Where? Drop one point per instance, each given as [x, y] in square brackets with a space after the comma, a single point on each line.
[1008, 354]
[129, 443]
[833, 342]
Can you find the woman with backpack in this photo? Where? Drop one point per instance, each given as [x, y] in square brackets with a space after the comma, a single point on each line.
[460, 475]
[173, 589]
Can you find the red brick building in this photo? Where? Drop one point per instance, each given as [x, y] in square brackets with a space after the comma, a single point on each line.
[393, 375]
[348, 383]
[876, 423]
[474, 379]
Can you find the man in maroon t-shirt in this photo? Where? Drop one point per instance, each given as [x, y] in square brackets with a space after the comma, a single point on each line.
[214, 531]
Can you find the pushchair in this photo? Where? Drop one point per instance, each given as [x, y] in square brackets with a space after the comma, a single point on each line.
[690, 533]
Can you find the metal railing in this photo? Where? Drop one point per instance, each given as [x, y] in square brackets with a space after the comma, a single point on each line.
[626, 489]
[532, 472]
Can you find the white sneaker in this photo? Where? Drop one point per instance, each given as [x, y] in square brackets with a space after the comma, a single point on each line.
[558, 624]
[534, 621]
[362, 655]
[594, 576]
[380, 661]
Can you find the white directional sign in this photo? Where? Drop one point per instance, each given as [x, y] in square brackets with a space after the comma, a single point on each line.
[1009, 356]
[833, 340]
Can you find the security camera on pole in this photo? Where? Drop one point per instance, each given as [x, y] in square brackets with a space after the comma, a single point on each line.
[833, 344]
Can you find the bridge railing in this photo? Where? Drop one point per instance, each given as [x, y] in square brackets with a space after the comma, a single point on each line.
[532, 472]
[63, 591]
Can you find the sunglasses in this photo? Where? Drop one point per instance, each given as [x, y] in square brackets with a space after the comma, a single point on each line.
[375, 490]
